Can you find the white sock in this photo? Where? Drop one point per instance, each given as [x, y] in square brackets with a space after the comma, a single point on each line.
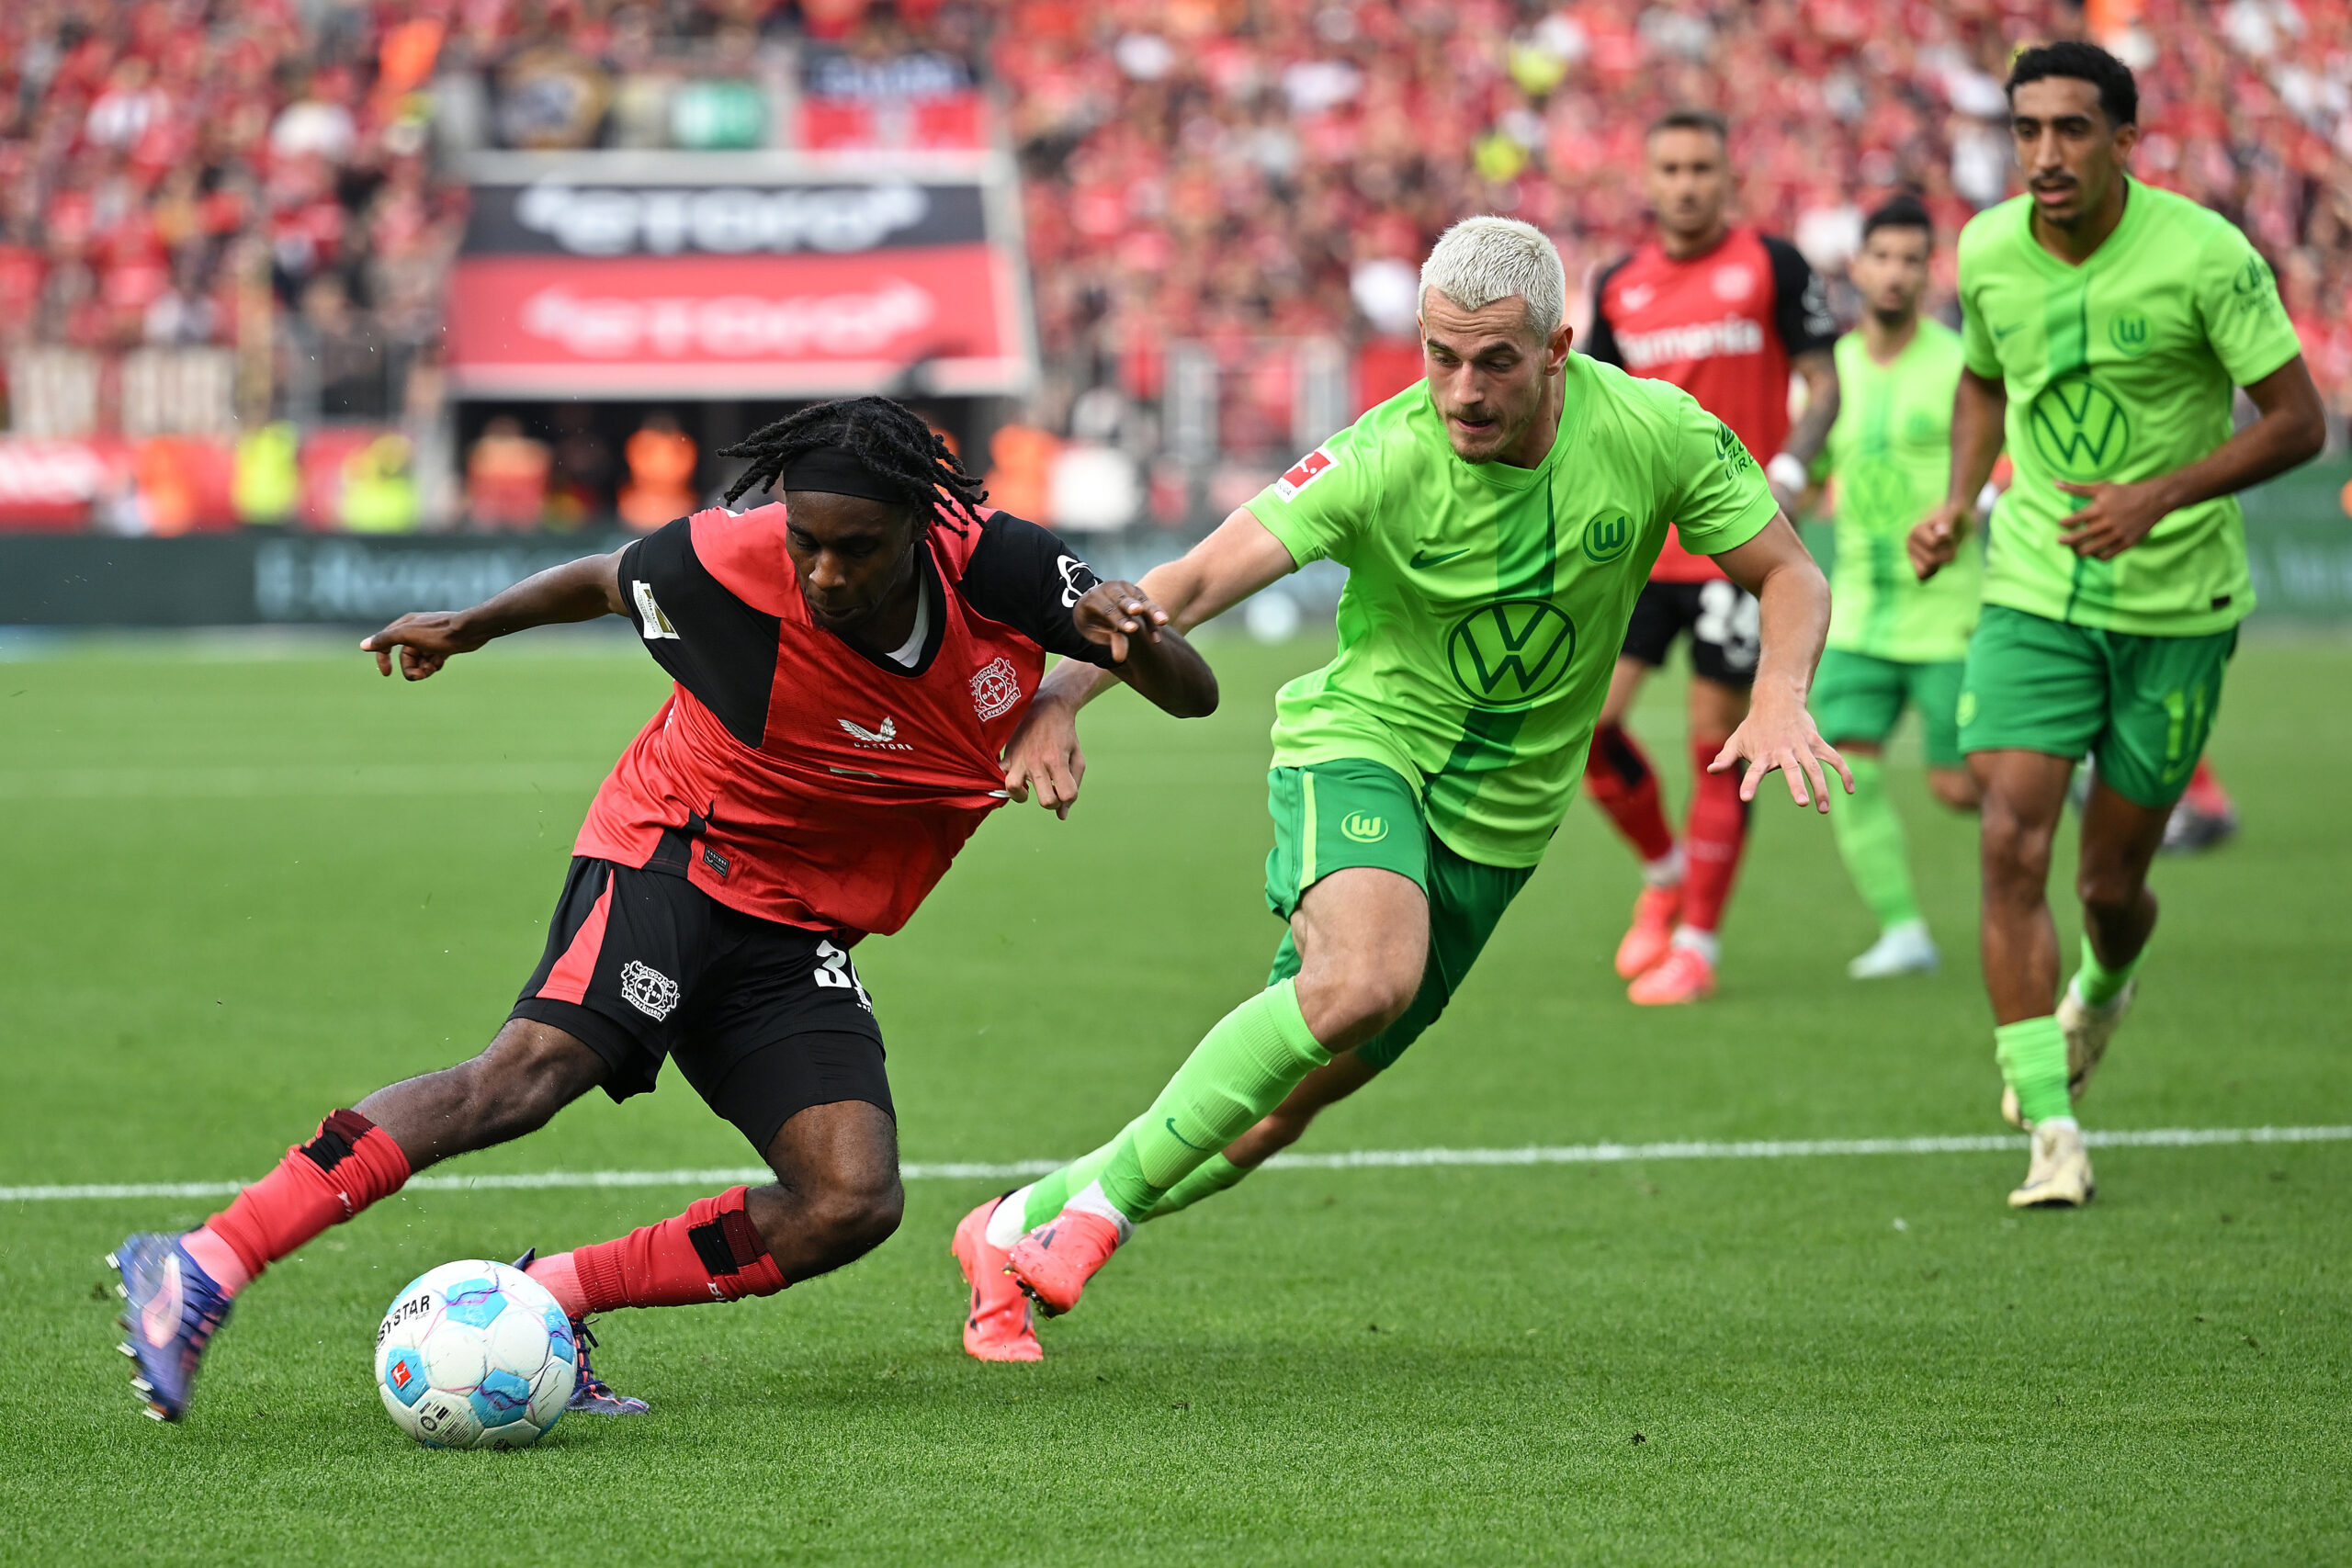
[1903, 929]
[2057, 1123]
[1666, 871]
[1092, 1202]
[1703, 943]
[1004, 1225]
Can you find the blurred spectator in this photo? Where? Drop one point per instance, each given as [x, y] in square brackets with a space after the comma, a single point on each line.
[580, 482]
[341, 353]
[660, 459]
[506, 477]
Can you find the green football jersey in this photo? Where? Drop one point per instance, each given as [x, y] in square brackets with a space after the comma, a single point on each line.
[1486, 604]
[1889, 458]
[2119, 369]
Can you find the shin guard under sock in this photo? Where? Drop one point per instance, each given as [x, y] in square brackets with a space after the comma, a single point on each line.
[1714, 837]
[1240, 1070]
[710, 1253]
[1621, 780]
[1216, 1173]
[348, 1164]
[2100, 985]
[1870, 840]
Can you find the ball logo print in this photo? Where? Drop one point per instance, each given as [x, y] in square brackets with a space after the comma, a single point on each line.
[2080, 429]
[475, 1355]
[1363, 829]
[648, 990]
[2129, 333]
[996, 689]
[1507, 654]
[1606, 538]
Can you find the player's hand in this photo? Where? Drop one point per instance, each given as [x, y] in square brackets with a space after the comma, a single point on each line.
[1044, 755]
[426, 641]
[1780, 733]
[1111, 613]
[2118, 517]
[1934, 542]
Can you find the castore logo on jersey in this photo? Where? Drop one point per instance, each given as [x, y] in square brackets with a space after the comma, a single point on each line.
[885, 738]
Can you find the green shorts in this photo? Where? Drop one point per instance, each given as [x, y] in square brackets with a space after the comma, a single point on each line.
[1331, 816]
[1857, 696]
[2142, 706]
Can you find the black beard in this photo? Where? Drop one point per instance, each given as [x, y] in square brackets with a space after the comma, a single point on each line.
[1892, 318]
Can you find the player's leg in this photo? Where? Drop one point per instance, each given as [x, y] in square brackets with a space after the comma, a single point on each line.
[1935, 692]
[1619, 777]
[2163, 696]
[1348, 864]
[784, 1045]
[1466, 901]
[1724, 641]
[1857, 699]
[2035, 695]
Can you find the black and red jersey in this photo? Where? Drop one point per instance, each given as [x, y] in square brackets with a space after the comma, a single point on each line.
[796, 778]
[1722, 326]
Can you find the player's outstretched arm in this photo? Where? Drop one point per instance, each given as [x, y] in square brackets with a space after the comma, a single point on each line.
[1146, 652]
[576, 591]
[1220, 572]
[1778, 731]
[1978, 409]
[2290, 429]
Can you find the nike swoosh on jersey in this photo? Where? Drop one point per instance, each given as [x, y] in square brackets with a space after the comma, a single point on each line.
[2000, 332]
[1422, 560]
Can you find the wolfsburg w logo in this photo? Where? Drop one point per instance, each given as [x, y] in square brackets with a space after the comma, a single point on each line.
[2080, 429]
[1511, 652]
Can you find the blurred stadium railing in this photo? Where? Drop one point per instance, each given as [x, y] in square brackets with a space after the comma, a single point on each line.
[298, 267]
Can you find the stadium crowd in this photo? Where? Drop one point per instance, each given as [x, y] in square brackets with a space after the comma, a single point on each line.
[270, 176]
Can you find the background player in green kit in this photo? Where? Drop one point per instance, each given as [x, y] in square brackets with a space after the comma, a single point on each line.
[1497, 520]
[2106, 322]
[1895, 641]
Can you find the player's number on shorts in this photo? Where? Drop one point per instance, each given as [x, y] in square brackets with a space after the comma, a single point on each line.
[1732, 620]
[834, 972]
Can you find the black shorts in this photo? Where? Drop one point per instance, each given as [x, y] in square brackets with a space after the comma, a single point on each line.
[765, 1019]
[1721, 617]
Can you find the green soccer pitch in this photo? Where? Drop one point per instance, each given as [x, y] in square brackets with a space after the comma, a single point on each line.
[241, 891]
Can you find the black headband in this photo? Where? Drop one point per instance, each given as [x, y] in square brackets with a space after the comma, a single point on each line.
[836, 472]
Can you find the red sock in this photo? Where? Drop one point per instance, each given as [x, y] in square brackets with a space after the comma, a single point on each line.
[710, 1253]
[2205, 792]
[1617, 775]
[1714, 838]
[349, 1164]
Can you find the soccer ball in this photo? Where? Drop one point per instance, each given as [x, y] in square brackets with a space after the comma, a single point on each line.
[475, 1355]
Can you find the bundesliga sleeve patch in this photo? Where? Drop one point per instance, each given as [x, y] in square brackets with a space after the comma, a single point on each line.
[1304, 472]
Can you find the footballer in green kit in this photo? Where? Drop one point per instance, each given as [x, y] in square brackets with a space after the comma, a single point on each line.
[1895, 641]
[1498, 521]
[2106, 324]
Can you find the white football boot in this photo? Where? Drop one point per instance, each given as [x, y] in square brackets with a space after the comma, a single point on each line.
[2088, 1030]
[2060, 1174]
[1904, 949]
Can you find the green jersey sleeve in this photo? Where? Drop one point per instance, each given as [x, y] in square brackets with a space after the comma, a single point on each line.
[2245, 320]
[1323, 503]
[1720, 501]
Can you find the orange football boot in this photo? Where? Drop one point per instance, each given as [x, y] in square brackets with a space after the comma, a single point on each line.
[1682, 975]
[1054, 1262]
[1652, 932]
[998, 1326]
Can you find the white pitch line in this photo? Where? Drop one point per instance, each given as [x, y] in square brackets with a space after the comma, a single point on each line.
[1358, 1160]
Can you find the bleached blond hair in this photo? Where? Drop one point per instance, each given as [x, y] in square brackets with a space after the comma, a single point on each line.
[1481, 260]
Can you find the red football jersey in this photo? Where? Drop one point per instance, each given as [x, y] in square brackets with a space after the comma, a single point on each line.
[1723, 327]
[796, 778]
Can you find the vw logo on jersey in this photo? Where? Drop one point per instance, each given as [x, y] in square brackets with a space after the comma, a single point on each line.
[1607, 537]
[1507, 654]
[2079, 428]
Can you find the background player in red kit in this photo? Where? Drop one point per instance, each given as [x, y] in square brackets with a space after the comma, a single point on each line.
[1725, 314]
[849, 667]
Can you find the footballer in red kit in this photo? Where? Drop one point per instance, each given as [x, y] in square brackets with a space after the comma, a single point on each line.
[1726, 315]
[849, 667]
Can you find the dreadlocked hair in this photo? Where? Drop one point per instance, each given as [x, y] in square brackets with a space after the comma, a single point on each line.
[887, 437]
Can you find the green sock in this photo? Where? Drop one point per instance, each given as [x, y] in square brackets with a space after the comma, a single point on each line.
[1240, 1070]
[1869, 837]
[2032, 1054]
[1049, 1193]
[1216, 1173]
[2098, 984]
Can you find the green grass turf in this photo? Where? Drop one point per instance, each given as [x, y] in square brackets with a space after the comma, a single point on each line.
[241, 891]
